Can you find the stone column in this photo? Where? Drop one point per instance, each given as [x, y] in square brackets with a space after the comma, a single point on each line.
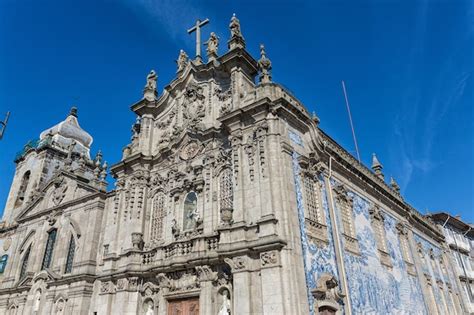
[241, 296]
[272, 292]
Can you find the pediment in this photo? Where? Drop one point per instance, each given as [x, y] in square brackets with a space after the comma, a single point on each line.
[46, 275]
[61, 191]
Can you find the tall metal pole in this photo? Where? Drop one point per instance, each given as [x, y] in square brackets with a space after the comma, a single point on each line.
[3, 125]
[350, 120]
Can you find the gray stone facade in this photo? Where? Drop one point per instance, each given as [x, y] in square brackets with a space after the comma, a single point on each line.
[229, 199]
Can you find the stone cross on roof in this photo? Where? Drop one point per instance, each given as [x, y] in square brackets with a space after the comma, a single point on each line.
[197, 28]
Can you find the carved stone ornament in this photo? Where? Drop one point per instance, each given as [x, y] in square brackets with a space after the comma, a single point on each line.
[122, 284]
[190, 150]
[236, 263]
[375, 213]
[137, 240]
[193, 104]
[106, 287]
[205, 273]
[59, 192]
[327, 290]
[225, 97]
[269, 258]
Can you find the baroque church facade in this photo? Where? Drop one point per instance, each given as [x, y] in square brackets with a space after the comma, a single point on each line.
[229, 199]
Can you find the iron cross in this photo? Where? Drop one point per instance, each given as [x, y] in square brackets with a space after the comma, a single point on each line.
[197, 28]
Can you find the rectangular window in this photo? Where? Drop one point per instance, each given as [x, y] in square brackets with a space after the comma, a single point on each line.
[48, 253]
[70, 255]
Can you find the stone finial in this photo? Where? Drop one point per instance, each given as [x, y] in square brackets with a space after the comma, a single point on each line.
[394, 185]
[264, 65]
[212, 46]
[73, 111]
[236, 38]
[98, 158]
[377, 167]
[149, 93]
[182, 60]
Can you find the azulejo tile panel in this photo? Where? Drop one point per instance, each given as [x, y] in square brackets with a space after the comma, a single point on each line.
[373, 288]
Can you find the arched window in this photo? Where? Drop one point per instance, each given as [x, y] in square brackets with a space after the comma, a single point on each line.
[22, 190]
[24, 263]
[190, 214]
[3, 263]
[70, 254]
[48, 252]
[226, 189]
[157, 217]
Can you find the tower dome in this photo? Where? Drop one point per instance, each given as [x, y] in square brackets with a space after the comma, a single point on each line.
[69, 130]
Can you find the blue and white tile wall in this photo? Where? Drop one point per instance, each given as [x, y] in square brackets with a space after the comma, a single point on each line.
[432, 268]
[317, 260]
[373, 289]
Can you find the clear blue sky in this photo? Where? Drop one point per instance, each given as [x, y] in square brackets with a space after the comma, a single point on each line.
[408, 68]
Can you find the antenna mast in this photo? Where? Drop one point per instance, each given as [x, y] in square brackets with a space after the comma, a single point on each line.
[350, 120]
[3, 125]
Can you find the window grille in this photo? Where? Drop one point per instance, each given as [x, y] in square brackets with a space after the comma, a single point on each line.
[312, 200]
[48, 253]
[70, 254]
[157, 216]
[226, 189]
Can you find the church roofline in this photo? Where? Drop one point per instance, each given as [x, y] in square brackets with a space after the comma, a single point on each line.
[380, 186]
[225, 61]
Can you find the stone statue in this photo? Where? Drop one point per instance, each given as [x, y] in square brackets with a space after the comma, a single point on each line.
[225, 306]
[235, 27]
[174, 228]
[151, 80]
[149, 92]
[212, 44]
[149, 308]
[182, 60]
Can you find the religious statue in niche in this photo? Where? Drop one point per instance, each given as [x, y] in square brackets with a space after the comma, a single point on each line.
[191, 216]
[225, 304]
[148, 307]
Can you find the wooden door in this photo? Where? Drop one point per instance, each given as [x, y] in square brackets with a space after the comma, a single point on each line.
[188, 306]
